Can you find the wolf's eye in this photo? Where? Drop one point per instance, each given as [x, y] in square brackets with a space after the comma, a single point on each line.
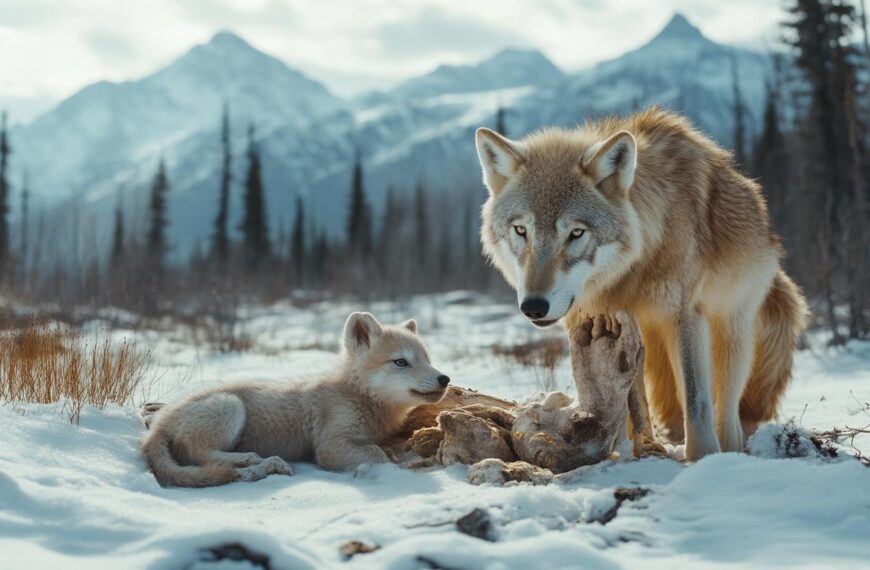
[400, 362]
[521, 231]
[576, 233]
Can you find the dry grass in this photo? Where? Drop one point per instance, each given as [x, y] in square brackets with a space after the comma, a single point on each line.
[543, 356]
[41, 363]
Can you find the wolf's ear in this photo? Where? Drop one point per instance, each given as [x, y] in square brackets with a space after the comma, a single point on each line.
[617, 155]
[411, 325]
[499, 156]
[360, 331]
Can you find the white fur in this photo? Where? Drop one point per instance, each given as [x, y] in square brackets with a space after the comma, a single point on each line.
[248, 431]
[499, 156]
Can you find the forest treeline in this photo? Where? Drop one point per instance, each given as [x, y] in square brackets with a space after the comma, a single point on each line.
[812, 157]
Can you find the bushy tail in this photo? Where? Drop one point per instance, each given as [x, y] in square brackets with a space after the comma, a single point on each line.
[155, 450]
[782, 318]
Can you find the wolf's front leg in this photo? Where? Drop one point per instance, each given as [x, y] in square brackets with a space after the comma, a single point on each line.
[338, 453]
[690, 358]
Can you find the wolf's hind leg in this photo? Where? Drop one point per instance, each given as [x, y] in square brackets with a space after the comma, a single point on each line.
[237, 458]
[733, 342]
[207, 427]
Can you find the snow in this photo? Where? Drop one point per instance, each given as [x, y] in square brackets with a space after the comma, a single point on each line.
[80, 497]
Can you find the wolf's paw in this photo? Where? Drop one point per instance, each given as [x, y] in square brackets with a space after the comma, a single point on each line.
[606, 349]
[265, 467]
[276, 466]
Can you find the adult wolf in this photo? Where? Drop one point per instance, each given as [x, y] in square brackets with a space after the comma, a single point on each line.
[648, 215]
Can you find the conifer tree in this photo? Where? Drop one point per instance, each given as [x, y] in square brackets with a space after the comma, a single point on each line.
[255, 230]
[157, 218]
[359, 233]
[297, 243]
[220, 243]
[739, 119]
[5, 151]
[25, 216]
[118, 238]
[500, 126]
[422, 231]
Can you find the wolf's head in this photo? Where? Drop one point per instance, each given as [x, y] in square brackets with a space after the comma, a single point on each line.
[558, 223]
[391, 362]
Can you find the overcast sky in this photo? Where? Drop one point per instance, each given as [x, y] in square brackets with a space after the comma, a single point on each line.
[51, 48]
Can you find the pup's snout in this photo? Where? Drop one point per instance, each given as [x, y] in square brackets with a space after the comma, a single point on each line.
[444, 380]
[535, 307]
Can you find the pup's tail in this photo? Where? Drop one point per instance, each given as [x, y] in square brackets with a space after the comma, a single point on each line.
[782, 318]
[156, 452]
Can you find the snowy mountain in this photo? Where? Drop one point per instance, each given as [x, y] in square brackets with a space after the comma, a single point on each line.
[508, 68]
[107, 128]
[110, 135]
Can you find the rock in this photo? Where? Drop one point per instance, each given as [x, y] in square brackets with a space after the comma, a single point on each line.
[498, 472]
[353, 547]
[477, 523]
[426, 441]
[469, 439]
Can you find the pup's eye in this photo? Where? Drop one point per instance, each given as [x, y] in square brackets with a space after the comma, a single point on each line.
[401, 362]
[576, 233]
[521, 230]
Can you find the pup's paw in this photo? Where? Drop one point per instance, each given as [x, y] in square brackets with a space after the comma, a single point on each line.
[269, 466]
[276, 466]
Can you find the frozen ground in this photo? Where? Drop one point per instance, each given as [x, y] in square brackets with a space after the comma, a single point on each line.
[79, 497]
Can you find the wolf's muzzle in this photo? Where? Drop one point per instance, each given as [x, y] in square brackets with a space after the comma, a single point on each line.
[535, 308]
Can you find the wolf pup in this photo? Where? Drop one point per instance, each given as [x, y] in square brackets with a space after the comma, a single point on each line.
[244, 432]
[648, 215]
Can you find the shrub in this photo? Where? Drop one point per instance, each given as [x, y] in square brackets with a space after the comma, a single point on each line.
[42, 363]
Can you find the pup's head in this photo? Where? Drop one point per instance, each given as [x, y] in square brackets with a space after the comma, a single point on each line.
[558, 223]
[390, 362]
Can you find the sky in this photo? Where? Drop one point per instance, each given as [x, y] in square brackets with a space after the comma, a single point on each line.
[52, 48]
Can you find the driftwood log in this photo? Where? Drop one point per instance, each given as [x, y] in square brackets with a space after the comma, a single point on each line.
[531, 441]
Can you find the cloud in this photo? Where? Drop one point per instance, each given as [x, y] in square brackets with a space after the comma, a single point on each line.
[110, 46]
[432, 30]
[349, 44]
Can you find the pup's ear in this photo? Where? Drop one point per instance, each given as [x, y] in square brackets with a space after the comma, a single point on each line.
[499, 156]
[615, 156]
[360, 331]
[411, 325]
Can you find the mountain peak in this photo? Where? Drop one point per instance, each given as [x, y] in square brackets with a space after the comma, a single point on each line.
[679, 28]
[226, 38]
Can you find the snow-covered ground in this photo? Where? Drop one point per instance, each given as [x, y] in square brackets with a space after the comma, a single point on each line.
[80, 497]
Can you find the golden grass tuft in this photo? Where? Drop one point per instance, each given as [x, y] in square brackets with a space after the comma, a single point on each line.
[42, 363]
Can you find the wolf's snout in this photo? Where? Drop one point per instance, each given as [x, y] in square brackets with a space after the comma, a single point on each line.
[443, 380]
[535, 308]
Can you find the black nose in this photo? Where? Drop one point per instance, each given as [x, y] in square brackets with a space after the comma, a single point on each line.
[535, 308]
[443, 380]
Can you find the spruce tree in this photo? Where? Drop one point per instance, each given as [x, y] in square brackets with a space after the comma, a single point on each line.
[832, 192]
[157, 219]
[422, 231]
[5, 151]
[255, 230]
[220, 242]
[770, 164]
[739, 120]
[359, 233]
[500, 127]
[297, 243]
[25, 216]
[118, 239]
